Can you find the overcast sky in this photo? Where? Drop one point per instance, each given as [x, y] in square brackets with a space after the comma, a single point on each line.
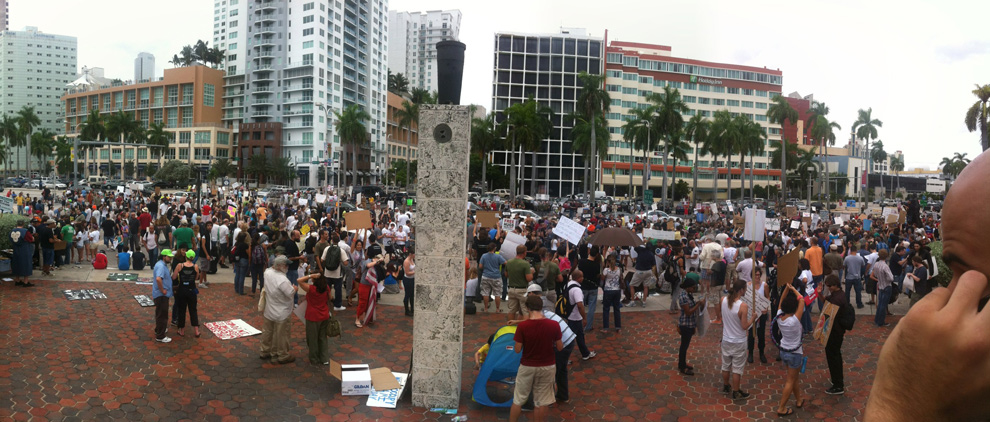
[914, 62]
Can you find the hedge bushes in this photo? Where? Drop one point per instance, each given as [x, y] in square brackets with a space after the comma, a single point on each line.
[944, 273]
[7, 223]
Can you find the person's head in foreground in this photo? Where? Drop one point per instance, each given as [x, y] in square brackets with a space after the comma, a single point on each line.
[952, 382]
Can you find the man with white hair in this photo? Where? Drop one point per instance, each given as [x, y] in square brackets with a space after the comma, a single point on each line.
[279, 293]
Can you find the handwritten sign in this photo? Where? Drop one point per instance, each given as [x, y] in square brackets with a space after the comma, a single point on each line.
[795, 224]
[569, 230]
[659, 234]
[838, 220]
[512, 240]
[867, 224]
[391, 205]
[762, 303]
[358, 220]
[321, 198]
[231, 211]
[772, 224]
[6, 204]
[388, 398]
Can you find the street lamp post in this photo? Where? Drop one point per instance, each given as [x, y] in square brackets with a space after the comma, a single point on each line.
[329, 142]
[810, 169]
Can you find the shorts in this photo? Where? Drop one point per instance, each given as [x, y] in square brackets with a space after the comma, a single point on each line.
[792, 360]
[734, 357]
[204, 264]
[490, 287]
[517, 301]
[642, 277]
[538, 380]
[48, 255]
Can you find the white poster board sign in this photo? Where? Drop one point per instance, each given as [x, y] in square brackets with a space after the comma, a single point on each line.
[569, 230]
[762, 303]
[838, 220]
[772, 224]
[303, 201]
[6, 204]
[754, 229]
[795, 224]
[659, 234]
[508, 224]
[512, 240]
[391, 205]
[321, 198]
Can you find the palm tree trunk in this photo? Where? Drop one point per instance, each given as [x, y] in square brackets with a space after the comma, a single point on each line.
[354, 157]
[512, 167]
[630, 193]
[532, 182]
[663, 190]
[646, 172]
[29, 155]
[694, 187]
[484, 182]
[783, 168]
[869, 169]
[752, 197]
[591, 186]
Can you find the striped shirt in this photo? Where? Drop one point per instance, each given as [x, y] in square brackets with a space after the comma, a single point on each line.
[566, 335]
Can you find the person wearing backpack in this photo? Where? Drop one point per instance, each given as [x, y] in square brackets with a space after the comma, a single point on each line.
[844, 320]
[673, 274]
[333, 262]
[570, 305]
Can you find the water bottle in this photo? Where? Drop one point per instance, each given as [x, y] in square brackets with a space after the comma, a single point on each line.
[461, 418]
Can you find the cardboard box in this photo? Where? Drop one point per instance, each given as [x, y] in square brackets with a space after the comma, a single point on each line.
[358, 379]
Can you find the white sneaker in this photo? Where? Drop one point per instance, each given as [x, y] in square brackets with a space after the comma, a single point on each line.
[164, 340]
[339, 308]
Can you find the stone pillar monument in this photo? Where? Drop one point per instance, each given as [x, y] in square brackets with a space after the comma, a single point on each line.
[444, 152]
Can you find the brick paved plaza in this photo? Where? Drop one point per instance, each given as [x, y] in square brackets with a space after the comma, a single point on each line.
[95, 360]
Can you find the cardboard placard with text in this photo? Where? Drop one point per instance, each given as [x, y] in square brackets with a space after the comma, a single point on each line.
[791, 212]
[902, 217]
[825, 322]
[358, 220]
[787, 267]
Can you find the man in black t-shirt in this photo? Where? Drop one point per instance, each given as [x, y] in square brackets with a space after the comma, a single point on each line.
[45, 239]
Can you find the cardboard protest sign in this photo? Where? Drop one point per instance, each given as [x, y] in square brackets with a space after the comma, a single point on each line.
[231, 211]
[838, 220]
[806, 221]
[358, 220]
[762, 302]
[787, 267]
[825, 322]
[738, 221]
[321, 198]
[891, 219]
[512, 240]
[902, 217]
[485, 218]
[791, 212]
[387, 398]
[569, 230]
[670, 224]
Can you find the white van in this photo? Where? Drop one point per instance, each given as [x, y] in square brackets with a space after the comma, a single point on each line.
[96, 180]
[600, 194]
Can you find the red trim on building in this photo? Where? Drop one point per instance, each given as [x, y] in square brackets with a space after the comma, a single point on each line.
[640, 45]
[611, 49]
[684, 169]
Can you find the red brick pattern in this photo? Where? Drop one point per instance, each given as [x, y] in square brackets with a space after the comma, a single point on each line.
[97, 360]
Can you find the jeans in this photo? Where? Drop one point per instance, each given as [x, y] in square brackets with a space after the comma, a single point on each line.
[761, 331]
[257, 277]
[578, 328]
[562, 356]
[505, 288]
[855, 283]
[338, 295]
[686, 334]
[883, 297]
[152, 257]
[675, 295]
[590, 303]
[611, 299]
[408, 285]
[817, 281]
[833, 355]
[161, 316]
[899, 280]
[240, 273]
[293, 276]
[806, 321]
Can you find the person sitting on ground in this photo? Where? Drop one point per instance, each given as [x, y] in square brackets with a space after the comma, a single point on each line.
[124, 259]
[100, 263]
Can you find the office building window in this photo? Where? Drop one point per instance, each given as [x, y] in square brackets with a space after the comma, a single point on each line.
[208, 94]
[202, 137]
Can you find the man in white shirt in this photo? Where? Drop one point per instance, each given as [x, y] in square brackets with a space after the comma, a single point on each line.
[279, 293]
[576, 318]
[730, 261]
[290, 222]
[694, 259]
[336, 277]
[223, 234]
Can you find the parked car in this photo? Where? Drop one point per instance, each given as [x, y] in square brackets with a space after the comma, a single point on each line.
[521, 213]
[503, 193]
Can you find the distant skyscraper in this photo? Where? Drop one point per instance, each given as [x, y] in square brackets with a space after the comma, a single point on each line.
[546, 67]
[412, 43]
[144, 67]
[4, 17]
[31, 81]
[290, 66]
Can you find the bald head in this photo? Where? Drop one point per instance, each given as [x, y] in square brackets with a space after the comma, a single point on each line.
[963, 222]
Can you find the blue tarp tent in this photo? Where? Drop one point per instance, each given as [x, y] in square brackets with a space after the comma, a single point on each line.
[501, 364]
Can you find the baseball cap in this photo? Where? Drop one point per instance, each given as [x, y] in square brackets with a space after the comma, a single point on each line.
[690, 280]
[190, 254]
[534, 288]
[167, 252]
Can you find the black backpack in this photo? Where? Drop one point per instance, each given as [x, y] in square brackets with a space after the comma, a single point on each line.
[332, 258]
[564, 307]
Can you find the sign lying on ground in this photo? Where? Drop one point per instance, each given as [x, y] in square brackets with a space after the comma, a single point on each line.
[226, 330]
[84, 294]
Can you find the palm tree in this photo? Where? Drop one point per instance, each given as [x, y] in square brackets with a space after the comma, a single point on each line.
[94, 130]
[8, 135]
[42, 142]
[422, 96]
[352, 131]
[824, 131]
[753, 143]
[257, 166]
[397, 83]
[781, 111]
[27, 120]
[723, 139]
[897, 166]
[697, 129]
[955, 165]
[201, 50]
[669, 121]
[222, 167]
[583, 134]
[805, 161]
[122, 126]
[677, 150]
[529, 124]
[593, 101]
[408, 115]
[159, 137]
[865, 128]
[641, 133]
[484, 139]
[978, 114]
[879, 155]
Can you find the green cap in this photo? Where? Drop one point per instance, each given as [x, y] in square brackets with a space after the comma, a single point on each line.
[690, 280]
[167, 252]
[190, 254]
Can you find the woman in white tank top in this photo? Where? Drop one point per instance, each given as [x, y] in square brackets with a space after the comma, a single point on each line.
[736, 319]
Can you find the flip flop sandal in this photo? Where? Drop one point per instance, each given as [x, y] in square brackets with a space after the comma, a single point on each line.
[789, 412]
[800, 404]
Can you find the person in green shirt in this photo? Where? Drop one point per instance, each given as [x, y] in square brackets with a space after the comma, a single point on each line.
[183, 237]
[519, 273]
[550, 275]
[68, 236]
